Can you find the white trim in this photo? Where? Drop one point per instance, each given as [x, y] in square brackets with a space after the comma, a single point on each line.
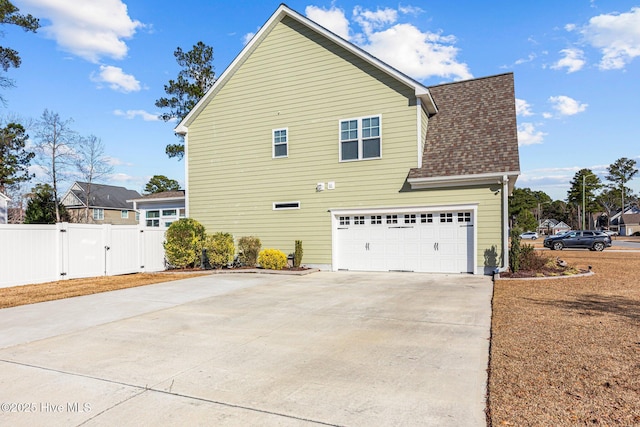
[273, 143]
[4, 196]
[335, 213]
[186, 174]
[286, 203]
[419, 127]
[159, 199]
[420, 90]
[460, 180]
[360, 138]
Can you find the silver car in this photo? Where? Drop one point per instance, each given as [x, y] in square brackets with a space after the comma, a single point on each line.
[529, 235]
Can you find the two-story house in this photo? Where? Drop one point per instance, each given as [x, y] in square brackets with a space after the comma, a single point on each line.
[307, 137]
[100, 204]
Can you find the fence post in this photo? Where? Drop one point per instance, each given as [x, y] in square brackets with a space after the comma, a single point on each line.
[62, 251]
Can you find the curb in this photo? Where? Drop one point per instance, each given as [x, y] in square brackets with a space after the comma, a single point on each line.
[263, 271]
[497, 278]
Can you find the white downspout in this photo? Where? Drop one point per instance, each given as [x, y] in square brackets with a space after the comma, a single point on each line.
[505, 224]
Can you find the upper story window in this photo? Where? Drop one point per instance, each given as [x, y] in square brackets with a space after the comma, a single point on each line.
[360, 138]
[280, 142]
[124, 214]
[98, 214]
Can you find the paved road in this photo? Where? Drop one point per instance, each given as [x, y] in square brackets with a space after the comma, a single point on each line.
[356, 349]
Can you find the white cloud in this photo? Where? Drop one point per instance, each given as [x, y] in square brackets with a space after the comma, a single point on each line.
[523, 108]
[116, 79]
[132, 114]
[566, 106]
[247, 37]
[89, 29]
[418, 54]
[617, 35]
[573, 60]
[529, 58]
[410, 10]
[332, 19]
[370, 21]
[547, 115]
[528, 135]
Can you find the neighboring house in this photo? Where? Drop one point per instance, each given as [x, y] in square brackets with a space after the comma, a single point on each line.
[307, 137]
[616, 223]
[4, 208]
[160, 209]
[107, 204]
[629, 224]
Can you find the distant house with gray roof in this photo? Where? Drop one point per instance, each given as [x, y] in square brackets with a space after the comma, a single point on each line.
[100, 204]
[4, 202]
[160, 209]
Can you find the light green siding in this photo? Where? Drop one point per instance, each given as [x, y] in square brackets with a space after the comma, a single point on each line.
[298, 80]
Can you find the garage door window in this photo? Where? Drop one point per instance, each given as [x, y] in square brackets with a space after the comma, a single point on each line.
[410, 219]
[345, 220]
[392, 219]
[358, 220]
[446, 217]
[426, 218]
[376, 219]
[464, 216]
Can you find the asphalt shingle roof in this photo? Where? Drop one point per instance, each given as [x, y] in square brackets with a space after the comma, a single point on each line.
[474, 130]
[106, 196]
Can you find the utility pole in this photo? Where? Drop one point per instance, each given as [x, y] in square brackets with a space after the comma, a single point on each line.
[584, 210]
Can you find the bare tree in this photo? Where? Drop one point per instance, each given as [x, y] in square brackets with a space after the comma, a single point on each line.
[54, 146]
[92, 164]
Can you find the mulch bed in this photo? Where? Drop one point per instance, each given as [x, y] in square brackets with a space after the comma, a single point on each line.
[567, 352]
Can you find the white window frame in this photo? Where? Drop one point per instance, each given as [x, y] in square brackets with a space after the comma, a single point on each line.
[124, 214]
[360, 138]
[98, 214]
[277, 208]
[285, 143]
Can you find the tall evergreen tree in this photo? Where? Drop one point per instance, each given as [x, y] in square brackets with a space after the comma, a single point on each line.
[14, 158]
[43, 208]
[582, 192]
[620, 172]
[194, 80]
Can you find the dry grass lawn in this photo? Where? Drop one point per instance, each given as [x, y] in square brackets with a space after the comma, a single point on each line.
[567, 351]
[30, 294]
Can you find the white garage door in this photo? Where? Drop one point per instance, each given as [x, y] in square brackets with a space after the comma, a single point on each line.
[439, 242]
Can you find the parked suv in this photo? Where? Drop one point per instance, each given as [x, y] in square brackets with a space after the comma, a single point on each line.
[588, 239]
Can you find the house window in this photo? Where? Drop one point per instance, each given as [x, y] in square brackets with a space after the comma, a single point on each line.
[280, 143]
[169, 212]
[98, 214]
[124, 214]
[181, 212]
[168, 223]
[137, 216]
[285, 205]
[360, 138]
[152, 218]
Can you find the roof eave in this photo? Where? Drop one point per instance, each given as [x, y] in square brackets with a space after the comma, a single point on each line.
[464, 180]
[163, 199]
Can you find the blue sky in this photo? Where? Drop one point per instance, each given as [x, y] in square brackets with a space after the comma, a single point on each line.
[576, 64]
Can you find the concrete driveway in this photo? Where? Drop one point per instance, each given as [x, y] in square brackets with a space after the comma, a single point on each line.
[356, 349]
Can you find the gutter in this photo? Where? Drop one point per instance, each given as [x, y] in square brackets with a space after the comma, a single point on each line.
[505, 226]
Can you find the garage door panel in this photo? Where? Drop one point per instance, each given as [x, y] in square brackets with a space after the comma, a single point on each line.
[433, 242]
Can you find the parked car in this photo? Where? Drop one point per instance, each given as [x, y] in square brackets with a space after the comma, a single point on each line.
[529, 235]
[611, 233]
[588, 239]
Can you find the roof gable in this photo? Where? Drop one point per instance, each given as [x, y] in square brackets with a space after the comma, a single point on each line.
[280, 14]
[103, 196]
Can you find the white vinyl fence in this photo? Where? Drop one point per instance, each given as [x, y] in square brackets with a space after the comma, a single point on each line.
[44, 253]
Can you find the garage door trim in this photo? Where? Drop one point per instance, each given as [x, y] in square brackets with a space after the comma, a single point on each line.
[336, 213]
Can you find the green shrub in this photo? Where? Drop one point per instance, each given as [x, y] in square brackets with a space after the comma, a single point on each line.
[514, 250]
[249, 248]
[297, 254]
[220, 249]
[183, 243]
[272, 259]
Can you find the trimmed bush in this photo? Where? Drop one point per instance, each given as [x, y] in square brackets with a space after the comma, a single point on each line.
[249, 248]
[183, 243]
[272, 259]
[220, 249]
[514, 251]
[297, 254]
